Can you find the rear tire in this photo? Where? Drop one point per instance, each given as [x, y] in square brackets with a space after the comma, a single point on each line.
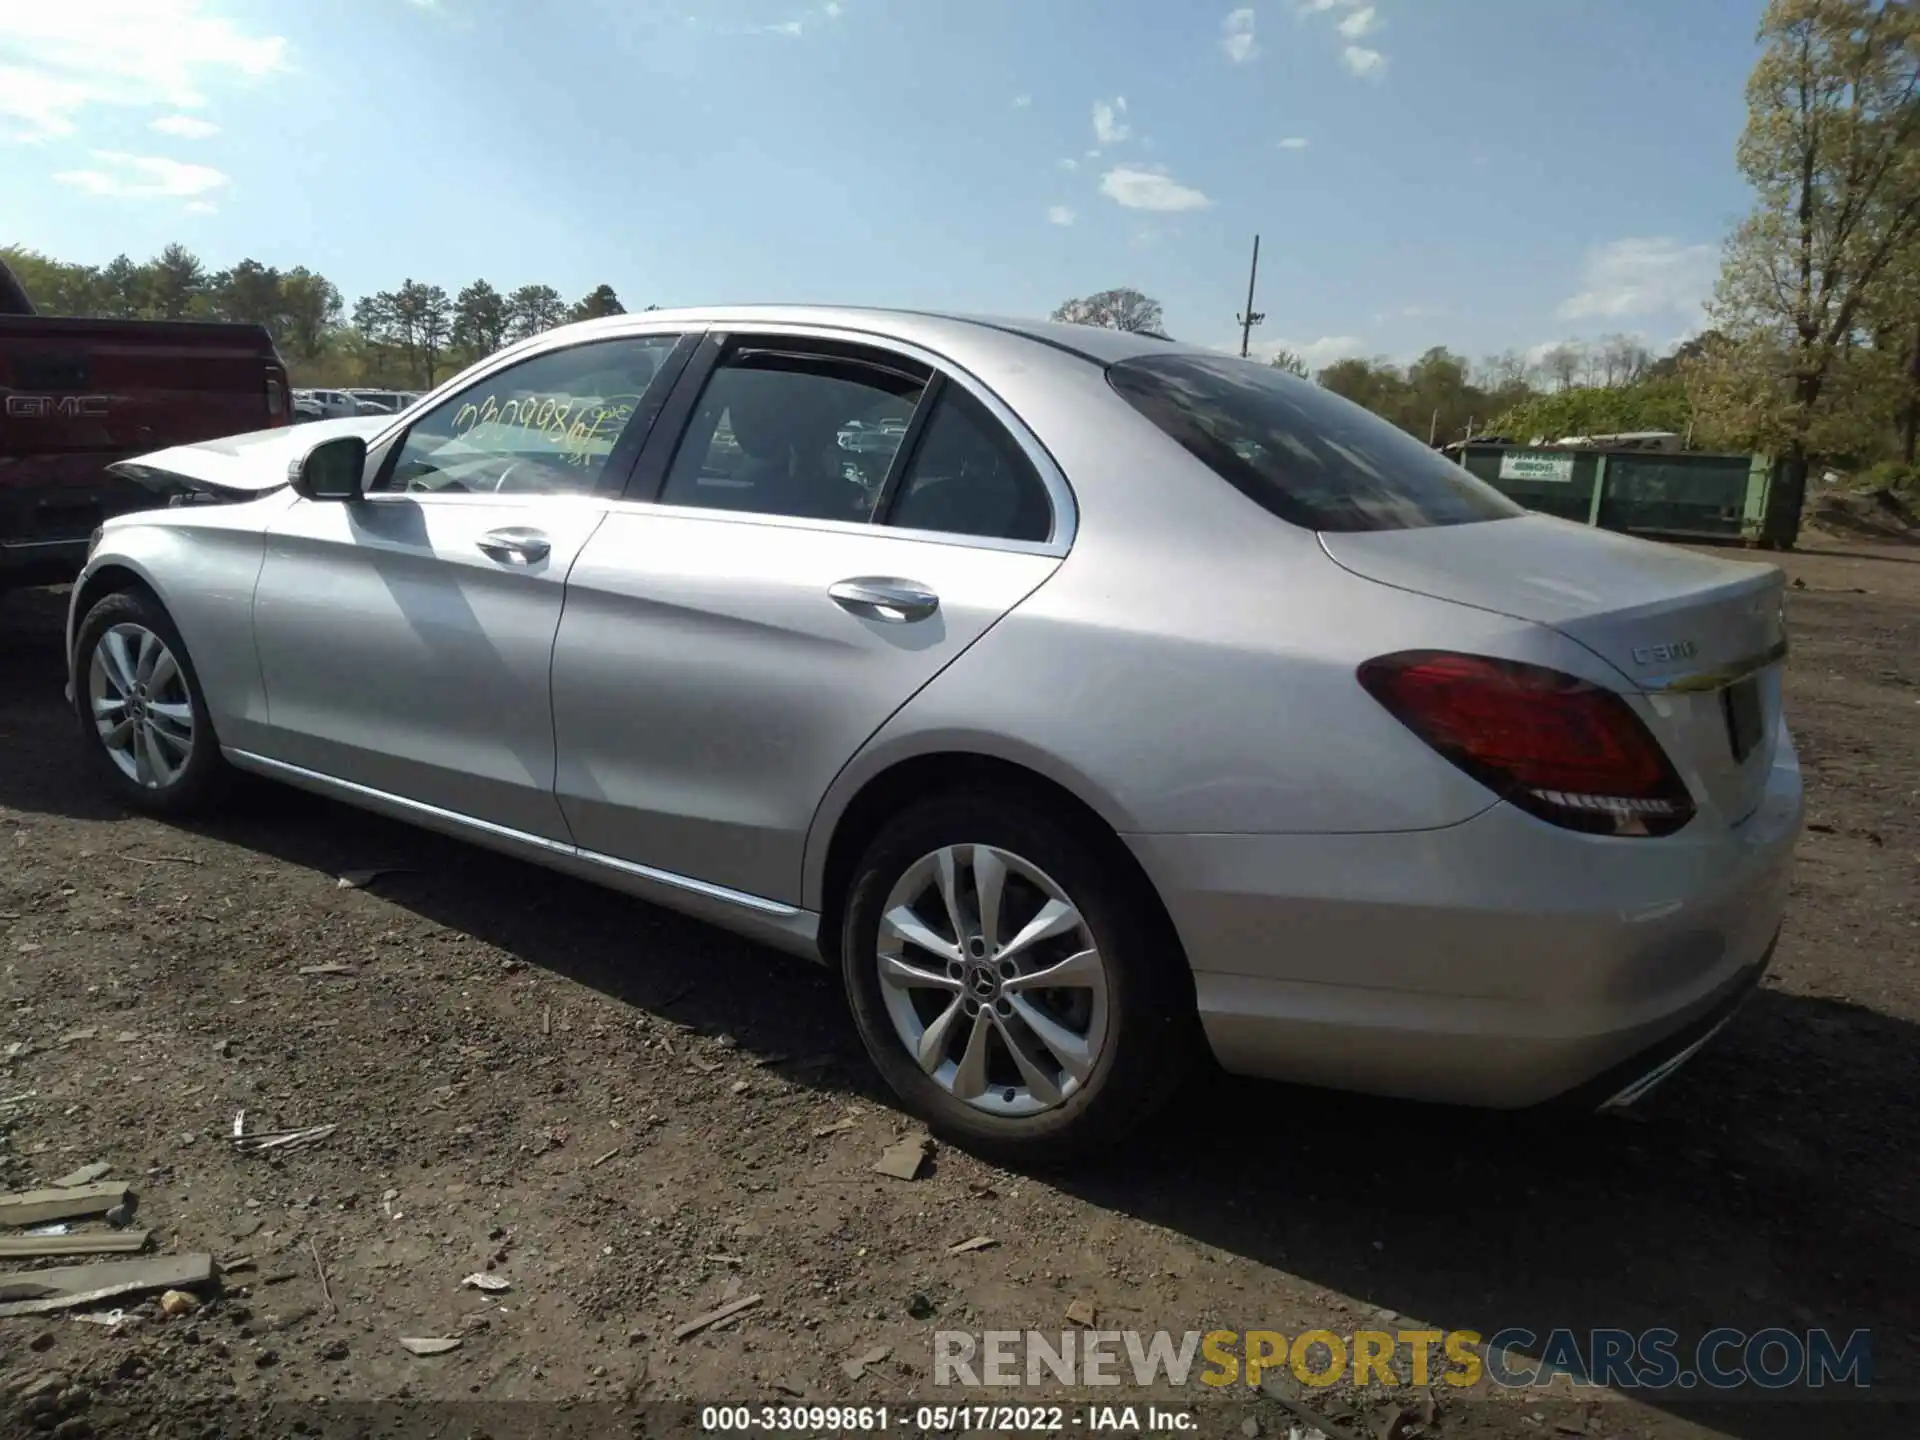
[1027, 1072]
[143, 716]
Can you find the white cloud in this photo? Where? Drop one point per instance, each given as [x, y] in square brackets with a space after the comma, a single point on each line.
[1364, 62]
[61, 60]
[1069, 163]
[1060, 215]
[1236, 37]
[1109, 120]
[800, 25]
[143, 177]
[1139, 189]
[184, 127]
[1352, 20]
[1022, 102]
[1537, 354]
[1294, 142]
[1654, 275]
[207, 207]
[1360, 24]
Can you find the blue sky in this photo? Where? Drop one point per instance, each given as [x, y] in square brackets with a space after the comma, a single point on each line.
[1479, 173]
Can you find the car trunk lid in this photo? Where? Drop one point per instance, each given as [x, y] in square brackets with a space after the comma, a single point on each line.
[1701, 638]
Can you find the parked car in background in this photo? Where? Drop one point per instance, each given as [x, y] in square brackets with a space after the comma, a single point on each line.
[81, 394]
[332, 404]
[384, 401]
[1155, 701]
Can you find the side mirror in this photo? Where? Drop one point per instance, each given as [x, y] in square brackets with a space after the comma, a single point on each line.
[333, 470]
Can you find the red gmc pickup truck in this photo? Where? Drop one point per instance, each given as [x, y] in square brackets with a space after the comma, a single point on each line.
[77, 395]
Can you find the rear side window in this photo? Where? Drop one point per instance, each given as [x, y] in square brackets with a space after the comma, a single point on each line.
[969, 478]
[1303, 453]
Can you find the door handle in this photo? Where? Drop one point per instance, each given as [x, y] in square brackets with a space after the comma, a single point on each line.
[880, 597]
[515, 545]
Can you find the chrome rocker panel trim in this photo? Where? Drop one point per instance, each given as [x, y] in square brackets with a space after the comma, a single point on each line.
[785, 927]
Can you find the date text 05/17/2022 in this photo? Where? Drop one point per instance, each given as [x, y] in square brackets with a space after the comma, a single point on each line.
[943, 1419]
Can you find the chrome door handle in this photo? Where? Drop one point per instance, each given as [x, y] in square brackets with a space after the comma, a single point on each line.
[880, 597]
[515, 545]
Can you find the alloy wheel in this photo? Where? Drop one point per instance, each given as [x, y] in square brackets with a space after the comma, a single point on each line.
[992, 980]
[140, 705]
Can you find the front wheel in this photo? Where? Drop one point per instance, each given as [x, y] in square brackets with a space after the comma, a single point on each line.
[142, 715]
[1010, 981]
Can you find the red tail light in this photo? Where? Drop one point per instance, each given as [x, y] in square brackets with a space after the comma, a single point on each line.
[1557, 747]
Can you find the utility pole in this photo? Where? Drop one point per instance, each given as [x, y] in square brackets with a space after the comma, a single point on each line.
[1252, 317]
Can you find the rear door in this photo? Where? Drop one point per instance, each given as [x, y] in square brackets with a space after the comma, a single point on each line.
[405, 640]
[770, 594]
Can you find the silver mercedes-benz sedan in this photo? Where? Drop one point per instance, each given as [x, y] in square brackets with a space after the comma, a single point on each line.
[1141, 704]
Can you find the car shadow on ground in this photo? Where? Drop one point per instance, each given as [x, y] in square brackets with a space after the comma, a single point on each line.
[1774, 1183]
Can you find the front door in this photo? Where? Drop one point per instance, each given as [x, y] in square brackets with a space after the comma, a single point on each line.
[727, 648]
[406, 640]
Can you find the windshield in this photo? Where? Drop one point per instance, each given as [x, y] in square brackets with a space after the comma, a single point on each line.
[1302, 452]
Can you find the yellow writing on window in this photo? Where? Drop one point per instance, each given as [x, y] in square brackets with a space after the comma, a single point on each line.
[582, 430]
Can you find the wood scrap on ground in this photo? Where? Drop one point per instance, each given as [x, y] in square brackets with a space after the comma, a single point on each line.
[96, 1242]
[41, 1292]
[72, 1202]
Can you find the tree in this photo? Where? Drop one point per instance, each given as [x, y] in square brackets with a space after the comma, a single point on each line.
[1289, 361]
[1561, 366]
[533, 308]
[376, 321]
[1598, 410]
[123, 289]
[311, 307]
[1440, 401]
[1621, 360]
[1115, 310]
[480, 319]
[1509, 367]
[414, 320]
[1832, 150]
[251, 294]
[599, 301]
[55, 287]
[427, 315]
[1373, 383]
[1893, 360]
[176, 282]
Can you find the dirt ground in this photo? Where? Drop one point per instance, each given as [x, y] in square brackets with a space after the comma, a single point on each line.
[633, 1119]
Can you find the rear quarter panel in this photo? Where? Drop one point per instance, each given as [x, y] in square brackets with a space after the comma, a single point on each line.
[1190, 668]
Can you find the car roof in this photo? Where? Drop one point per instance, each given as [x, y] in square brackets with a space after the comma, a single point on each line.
[927, 327]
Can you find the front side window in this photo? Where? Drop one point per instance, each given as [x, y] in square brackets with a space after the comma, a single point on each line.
[797, 433]
[545, 426]
[1304, 453]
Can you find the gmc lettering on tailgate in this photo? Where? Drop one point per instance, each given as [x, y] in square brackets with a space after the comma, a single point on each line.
[57, 407]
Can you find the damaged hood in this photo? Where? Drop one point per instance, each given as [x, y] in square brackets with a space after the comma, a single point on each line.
[240, 467]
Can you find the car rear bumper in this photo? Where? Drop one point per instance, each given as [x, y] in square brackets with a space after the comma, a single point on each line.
[1500, 962]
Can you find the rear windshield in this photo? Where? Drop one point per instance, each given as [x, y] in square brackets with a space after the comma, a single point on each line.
[1304, 453]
